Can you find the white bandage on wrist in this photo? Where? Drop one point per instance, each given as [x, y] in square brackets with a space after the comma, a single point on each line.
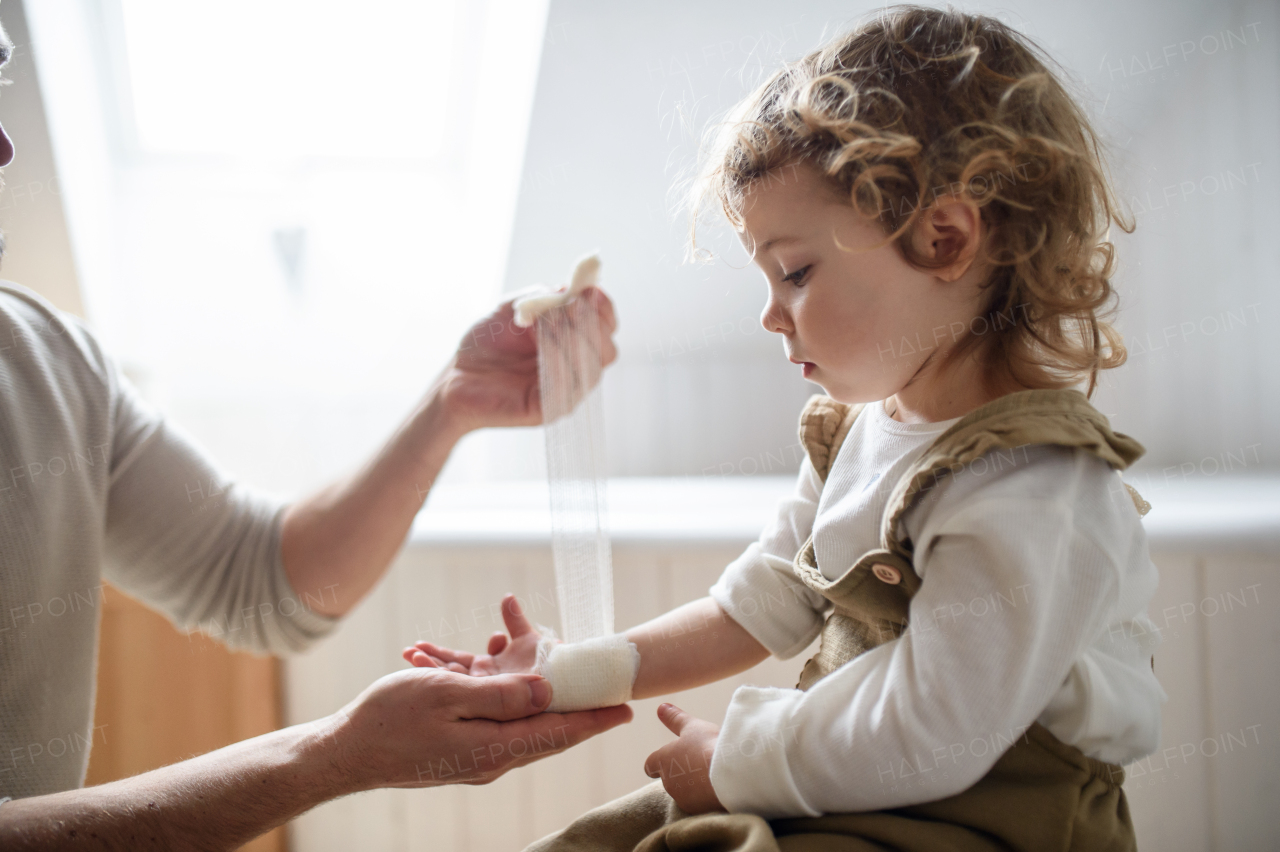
[588, 674]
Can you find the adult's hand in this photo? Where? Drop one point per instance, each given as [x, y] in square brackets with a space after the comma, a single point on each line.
[428, 726]
[493, 377]
[344, 537]
[413, 728]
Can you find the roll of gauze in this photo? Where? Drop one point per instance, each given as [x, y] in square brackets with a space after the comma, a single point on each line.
[588, 674]
[528, 307]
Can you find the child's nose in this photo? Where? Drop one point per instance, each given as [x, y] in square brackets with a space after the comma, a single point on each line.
[773, 318]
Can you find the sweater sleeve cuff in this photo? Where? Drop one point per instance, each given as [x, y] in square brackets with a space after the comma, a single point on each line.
[298, 625]
[750, 770]
[779, 612]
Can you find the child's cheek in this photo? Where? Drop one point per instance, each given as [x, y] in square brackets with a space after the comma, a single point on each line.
[855, 342]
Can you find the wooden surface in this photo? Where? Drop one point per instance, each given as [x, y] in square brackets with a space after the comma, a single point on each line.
[164, 697]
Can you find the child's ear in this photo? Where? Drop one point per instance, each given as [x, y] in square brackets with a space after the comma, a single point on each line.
[949, 231]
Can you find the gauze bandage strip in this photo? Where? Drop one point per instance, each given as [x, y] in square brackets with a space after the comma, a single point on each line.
[591, 666]
[569, 344]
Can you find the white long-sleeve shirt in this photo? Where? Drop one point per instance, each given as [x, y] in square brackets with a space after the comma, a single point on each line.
[95, 484]
[1036, 578]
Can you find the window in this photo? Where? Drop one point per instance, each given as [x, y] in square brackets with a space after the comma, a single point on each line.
[307, 204]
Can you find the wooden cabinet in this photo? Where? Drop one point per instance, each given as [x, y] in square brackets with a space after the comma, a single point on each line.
[163, 697]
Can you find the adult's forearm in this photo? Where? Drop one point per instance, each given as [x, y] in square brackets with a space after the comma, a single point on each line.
[345, 536]
[217, 801]
[693, 644]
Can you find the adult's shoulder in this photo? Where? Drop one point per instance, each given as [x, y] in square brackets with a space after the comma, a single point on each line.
[35, 334]
[59, 384]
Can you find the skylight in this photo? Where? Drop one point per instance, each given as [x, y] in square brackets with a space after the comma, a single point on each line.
[253, 78]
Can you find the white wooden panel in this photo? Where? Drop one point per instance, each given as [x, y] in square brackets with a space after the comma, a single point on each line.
[321, 682]
[1240, 751]
[1218, 668]
[1169, 803]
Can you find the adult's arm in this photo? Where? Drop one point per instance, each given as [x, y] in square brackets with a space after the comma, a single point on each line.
[343, 537]
[194, 544]
[413, 728]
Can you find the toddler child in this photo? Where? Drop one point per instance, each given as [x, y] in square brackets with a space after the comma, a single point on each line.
[930, 211]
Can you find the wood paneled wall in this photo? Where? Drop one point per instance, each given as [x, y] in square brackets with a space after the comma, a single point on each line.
[164, 696]
[1206, 789]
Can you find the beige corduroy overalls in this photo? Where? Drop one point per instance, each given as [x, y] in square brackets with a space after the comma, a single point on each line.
[1041, 795]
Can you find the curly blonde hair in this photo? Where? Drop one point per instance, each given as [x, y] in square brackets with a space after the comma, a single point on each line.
[919, 103]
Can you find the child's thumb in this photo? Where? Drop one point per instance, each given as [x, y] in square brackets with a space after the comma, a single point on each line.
[514, 618]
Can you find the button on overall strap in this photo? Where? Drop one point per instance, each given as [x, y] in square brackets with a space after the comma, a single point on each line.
[872, 598]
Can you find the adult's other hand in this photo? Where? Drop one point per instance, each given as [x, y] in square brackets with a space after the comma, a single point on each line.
[413, 728]
[429, 726]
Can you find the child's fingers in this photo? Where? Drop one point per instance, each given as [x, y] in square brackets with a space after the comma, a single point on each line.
[420, 659]
[653, 763]
[447, 654]
[497, 642]
[513, 616]
[410, 653]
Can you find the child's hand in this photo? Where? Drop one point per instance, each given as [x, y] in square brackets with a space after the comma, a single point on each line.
[517, 655]
[685, 765]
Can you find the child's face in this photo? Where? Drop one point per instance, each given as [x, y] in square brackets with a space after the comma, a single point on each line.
[858, 317]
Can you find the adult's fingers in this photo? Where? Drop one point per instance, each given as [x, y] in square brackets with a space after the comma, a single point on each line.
[536, 737]
[604, 307]
[500, 697]
[514, 618]
[608, 352]
[608, 324]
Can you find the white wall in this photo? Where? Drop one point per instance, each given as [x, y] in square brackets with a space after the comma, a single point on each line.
[1201, 275]
[622, 94]
[625, 89]
[290, 381]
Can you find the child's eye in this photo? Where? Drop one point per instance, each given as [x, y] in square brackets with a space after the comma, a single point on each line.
[797, 276]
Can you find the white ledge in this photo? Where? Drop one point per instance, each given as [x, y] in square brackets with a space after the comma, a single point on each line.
[1204, 515]
[641, 510]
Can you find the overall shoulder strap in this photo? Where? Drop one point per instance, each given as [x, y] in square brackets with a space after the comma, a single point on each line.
[1061, 417]
[824, 423]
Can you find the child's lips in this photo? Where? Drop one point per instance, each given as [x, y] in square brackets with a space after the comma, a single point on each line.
[806, 367]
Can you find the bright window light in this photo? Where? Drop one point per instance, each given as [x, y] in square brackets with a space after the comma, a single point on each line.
[272, 77]
[323, 207]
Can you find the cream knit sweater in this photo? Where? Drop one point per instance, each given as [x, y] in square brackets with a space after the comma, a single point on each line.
[95, 484]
